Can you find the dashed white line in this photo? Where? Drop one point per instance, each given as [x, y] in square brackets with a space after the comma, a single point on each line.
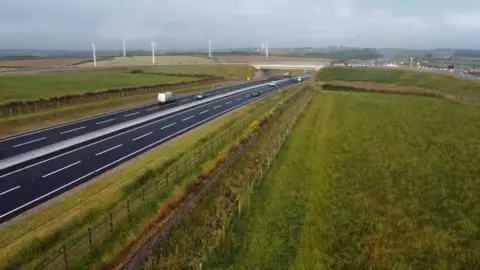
[29, 142]
[144, 135]
[238, 99]
[228, 102]
[72, 130]
[204, 112]
[167, 126]
[59, 170]
[7, 191]
[110, 149]
[154, 108]
[185, 100]
[130, 114]
[190, 117]
[216, 107]
[109, 120]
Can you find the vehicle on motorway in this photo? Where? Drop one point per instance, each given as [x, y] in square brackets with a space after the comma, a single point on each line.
[287, 74]
[255, 94]
[167, 97]
[272, 84]
[299, 79]
[199, 96]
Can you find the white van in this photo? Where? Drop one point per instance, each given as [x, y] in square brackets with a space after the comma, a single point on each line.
[167, 97]
[273, 84]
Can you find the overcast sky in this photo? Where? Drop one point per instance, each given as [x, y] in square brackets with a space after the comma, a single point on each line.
[185, 24]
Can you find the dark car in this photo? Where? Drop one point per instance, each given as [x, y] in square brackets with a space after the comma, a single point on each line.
[255, 94]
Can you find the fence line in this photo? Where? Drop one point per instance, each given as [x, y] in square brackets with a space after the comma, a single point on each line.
[26, 107]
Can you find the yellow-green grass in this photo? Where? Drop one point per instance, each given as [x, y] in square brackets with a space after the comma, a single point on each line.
[147, 60]
[431, 81]
[28, 122]
[106, 189]
[369, 181]
[52, 84]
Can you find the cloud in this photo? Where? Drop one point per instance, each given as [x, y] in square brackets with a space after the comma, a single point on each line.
[74, 24]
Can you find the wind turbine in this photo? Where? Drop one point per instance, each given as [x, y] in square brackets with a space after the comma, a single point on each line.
[153, 52]
[266, 49]
[124, 49]
[210, 48]
[94, 56]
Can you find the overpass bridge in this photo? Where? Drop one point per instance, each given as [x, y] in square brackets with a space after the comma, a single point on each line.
[289, 66]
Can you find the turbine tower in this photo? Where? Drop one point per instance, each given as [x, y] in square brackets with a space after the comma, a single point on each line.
[266, 49]
[94, 56]
[124, 49]
[210, 48]
[153, 52]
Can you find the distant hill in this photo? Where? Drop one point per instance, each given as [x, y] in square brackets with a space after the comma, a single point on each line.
[467, 53]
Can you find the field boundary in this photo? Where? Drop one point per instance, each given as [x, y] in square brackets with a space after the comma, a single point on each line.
[15, 108]
[424, 93]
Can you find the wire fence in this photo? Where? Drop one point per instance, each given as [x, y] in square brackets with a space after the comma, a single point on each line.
[130, 212]
[33, 106]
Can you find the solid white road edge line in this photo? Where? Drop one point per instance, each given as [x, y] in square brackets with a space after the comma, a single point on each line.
[7, 191]
[105, 121]
[146, 147]
[72, 130]
[130, 114]
[110, 149]
[29, 142]
[144, 135]
[59, 170]
[167, 126]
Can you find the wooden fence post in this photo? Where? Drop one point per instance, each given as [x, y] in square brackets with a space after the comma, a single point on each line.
[65, 258]
[90, 239]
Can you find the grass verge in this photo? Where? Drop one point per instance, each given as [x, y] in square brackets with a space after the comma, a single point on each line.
[205, 230]
[24, 123]
[34, 240]
[367, 181]
[431, 81]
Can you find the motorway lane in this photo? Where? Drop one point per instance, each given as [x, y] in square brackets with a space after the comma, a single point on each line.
[19, 144]
[35, 182]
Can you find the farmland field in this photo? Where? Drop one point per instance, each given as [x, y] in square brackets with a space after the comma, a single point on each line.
[50, 84]
[262, 58]
[147, 60]
[431, 81]
[47, 62]
[368, 182]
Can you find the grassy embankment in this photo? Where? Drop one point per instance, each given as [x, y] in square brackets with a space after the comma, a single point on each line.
[38, 237]
[39, 83]
[205, 229]
[367, 181]
[431, 81]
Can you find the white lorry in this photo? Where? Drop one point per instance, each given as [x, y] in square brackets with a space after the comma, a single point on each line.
[167, 97]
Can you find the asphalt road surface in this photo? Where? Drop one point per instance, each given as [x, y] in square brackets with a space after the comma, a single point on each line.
[22, 143]
[29, 184]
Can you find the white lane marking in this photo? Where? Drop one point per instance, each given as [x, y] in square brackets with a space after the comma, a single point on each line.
[110, 149]
[190, 117]
[144, 135]
[216, 107]
[238, 99]
[7, 191]
[133, 153]
[154, 108]
[245, 96]
[109, 120]
[130, 114]
[167, 126]
[123, 133]
[72, 130]
[59, 170]
[204, 112]
[185, 100]
[29, 142]
[228, 102]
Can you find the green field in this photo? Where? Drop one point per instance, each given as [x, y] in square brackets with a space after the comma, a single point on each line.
[51, 84]
[368, 182]
[432, 81]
